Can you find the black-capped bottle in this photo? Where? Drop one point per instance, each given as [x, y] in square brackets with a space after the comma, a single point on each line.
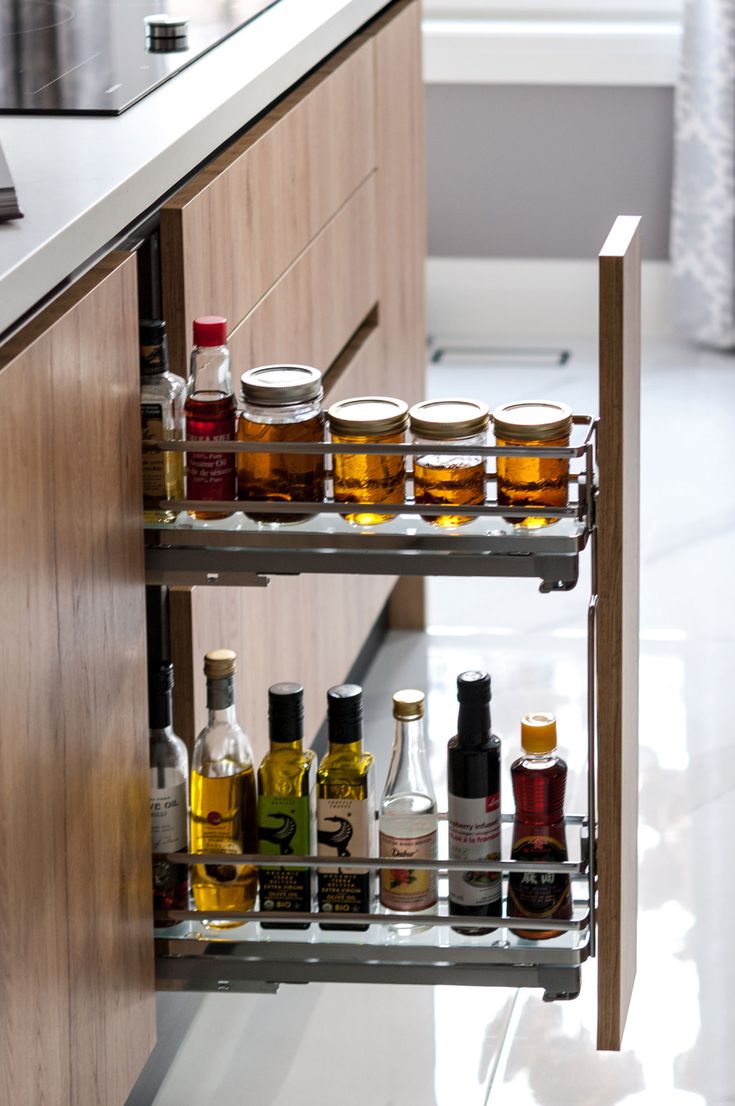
[162, 396]
[539, 785]
[286, 806]
[473, 778]
[345, 810]
[169, 787]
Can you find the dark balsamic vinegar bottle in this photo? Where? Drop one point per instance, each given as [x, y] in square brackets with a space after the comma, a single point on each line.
[473, 773]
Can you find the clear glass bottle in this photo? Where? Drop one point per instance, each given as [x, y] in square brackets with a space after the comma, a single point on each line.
[345, 809]
[369, 477]
[408, 814]
[441, 480]
[169, 796]
[211, 414]
[281, 403]
[539, 785]
[473, 783]
[162, 396]
[223, 798]
[533, 481]
[286, 805]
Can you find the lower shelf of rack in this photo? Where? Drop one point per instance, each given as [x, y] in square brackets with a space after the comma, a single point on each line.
[189, 957]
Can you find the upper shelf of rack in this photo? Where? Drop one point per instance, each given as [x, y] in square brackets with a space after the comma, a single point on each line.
[236, 550]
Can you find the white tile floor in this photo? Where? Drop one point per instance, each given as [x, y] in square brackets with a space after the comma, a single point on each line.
[473, 1047]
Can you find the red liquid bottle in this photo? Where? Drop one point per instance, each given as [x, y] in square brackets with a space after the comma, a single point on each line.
[211, 415]
[539, 784]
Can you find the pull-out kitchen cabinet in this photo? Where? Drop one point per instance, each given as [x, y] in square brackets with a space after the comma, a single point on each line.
[77, 1011]
[601, 522]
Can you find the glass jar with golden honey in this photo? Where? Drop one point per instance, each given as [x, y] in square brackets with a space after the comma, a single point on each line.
[281, 403]
[369, 477]
[533, 481]
[448, 481]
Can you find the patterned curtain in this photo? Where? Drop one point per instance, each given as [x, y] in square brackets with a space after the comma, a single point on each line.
[703, 210]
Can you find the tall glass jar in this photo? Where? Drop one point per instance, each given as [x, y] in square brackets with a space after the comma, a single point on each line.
[442, 480]
[281, 403]
[369, 477]
[533, 481]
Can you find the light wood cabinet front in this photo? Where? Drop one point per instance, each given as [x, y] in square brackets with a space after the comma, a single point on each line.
[77, 1007]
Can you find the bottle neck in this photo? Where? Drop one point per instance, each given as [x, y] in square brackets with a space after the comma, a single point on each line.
[210, 370]
[350, 748]
[409, 766]
[290, 746]
[473, 723]
[221, 701]
[160, 714]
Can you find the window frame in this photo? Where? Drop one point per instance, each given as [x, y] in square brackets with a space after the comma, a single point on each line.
[594, 10]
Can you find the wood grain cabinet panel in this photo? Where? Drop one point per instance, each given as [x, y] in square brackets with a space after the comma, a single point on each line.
[228, 235]
[73, 719]
[311, 313]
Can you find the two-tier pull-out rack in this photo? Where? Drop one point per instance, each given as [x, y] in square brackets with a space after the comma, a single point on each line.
[234, 551]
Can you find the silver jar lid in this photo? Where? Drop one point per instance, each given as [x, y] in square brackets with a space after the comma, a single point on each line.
[367, 415]
[532, 420]
[274, 385]
[442, 419]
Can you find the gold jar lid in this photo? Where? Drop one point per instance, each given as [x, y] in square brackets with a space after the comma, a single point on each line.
[272, 385]
[532, 420]
[368, 415]
[219, 664]
[408, 704]
[441, 419]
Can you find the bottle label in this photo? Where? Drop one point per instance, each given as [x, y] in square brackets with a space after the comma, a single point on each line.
[539, 894]
[169, 835]
[154, 463]
[284, 829]
[211, 475]
[408, 888]
[345, 827]
[474, 834]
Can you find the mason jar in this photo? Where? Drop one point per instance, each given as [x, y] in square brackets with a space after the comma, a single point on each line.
[443, 480]
[281, 403]
[533, 481]
[369, 477]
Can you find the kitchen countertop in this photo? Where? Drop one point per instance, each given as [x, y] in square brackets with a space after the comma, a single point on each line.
[82, 180]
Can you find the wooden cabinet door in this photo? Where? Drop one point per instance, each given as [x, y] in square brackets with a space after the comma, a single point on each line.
[617, 667]
[76, 962]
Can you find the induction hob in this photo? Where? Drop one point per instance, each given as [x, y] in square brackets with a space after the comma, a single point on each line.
[98, 57]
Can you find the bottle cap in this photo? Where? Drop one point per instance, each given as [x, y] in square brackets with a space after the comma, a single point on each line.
[442, 419]
[285, 712]
[408, 703]
[153, 347]
[474, 687]
[538, 733]
[210, 330]
[272, 385]
[219, 664]
[532, 421]
[368, 415]
[344, 713]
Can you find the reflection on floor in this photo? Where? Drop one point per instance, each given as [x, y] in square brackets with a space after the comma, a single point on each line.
[410, 1046]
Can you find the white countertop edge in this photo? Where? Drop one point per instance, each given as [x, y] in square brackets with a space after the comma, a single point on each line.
[82, 180]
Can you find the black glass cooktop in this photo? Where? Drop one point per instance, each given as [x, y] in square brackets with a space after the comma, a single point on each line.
[97, 57]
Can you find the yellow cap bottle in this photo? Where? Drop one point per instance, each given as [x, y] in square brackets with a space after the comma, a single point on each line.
[538, 733]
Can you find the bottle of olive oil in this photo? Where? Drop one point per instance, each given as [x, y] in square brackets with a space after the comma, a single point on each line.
[345, 809]
[223, 801]
[286, 805]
